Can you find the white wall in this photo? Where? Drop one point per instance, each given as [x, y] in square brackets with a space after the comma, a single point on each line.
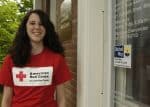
[90, 74]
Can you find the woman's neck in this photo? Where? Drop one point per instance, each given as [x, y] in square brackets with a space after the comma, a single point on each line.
[37, 48]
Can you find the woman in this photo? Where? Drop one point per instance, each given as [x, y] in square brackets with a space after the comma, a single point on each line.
[35, 67]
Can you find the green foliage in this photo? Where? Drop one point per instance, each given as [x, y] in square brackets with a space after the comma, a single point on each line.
[8, 24]
[25, 5]
[11, 12]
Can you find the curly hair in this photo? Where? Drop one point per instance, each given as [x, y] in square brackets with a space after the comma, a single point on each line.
[20, 50]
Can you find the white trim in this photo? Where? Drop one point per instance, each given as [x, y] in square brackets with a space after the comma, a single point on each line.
[90, 53]
[81, 53]
[108, 81]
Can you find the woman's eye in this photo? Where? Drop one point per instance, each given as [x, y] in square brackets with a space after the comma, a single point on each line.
[34, 23]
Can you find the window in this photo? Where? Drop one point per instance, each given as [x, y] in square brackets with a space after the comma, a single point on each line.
[131, 21]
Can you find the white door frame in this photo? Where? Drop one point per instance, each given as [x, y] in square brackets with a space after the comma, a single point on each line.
[94, 72]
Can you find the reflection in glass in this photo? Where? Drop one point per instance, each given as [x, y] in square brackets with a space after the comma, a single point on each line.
[132, 22]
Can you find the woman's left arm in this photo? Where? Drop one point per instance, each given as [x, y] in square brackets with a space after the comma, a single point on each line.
[60, 95]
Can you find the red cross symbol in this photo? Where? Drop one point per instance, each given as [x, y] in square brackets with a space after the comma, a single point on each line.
[21, 76]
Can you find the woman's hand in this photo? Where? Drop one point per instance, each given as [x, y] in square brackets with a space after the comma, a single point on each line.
[7, 96]
[60, 95]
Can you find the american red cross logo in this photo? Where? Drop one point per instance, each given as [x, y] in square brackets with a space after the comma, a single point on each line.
[20, 76]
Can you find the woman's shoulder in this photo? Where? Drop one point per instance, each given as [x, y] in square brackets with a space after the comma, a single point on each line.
[8, 57]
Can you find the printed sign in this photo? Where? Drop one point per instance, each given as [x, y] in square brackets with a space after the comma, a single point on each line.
[122, 56]
[32, 76]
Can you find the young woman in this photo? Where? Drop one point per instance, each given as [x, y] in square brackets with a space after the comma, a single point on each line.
[34, 72]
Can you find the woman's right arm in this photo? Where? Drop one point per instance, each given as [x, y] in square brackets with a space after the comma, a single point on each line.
[7, 96]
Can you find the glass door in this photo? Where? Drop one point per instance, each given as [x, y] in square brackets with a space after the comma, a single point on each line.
[131, 26]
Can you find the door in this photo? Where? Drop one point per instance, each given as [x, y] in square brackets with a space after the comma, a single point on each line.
[131, 26]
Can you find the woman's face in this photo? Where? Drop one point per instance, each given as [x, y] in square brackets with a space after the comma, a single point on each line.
[35, 30]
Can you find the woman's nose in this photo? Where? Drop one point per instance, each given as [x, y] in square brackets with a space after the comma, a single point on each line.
[37, 26]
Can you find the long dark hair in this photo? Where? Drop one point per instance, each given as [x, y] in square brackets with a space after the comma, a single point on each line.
[21, 47]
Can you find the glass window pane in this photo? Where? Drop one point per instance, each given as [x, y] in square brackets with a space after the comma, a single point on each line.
[132, 22]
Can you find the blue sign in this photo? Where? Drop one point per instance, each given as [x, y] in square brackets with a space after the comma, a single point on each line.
[119, 51]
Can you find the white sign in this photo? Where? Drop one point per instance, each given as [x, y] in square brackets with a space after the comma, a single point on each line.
[32, 76]
[122, 56]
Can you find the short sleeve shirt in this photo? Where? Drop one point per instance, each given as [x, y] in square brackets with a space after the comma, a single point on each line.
[34, 85]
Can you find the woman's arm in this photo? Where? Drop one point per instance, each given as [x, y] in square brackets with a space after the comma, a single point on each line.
[60, 95]
[7, 96]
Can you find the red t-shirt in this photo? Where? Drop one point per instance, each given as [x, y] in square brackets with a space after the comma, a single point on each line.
[34, 85]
